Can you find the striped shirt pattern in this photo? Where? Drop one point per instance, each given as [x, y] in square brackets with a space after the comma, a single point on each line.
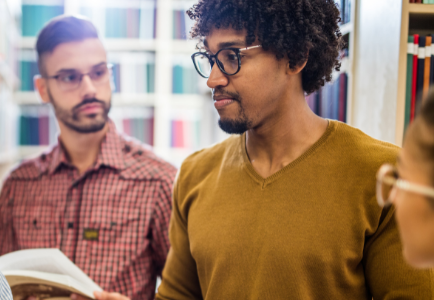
[5, 290]
[112, 221]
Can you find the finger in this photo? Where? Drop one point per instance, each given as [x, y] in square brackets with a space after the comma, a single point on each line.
[78, 297]
[109, 296]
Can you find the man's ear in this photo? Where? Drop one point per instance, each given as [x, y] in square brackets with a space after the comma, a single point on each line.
[296, 69]
[41, 85]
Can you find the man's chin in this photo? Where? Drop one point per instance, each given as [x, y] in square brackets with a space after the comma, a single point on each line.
[233, 126]
[87, 127]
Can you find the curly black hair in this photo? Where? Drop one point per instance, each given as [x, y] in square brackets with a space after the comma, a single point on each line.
[298, 30]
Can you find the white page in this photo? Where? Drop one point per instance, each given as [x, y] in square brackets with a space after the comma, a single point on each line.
[45, 260]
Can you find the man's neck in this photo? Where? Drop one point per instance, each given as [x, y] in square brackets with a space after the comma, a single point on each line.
[82, 149]
[284, 138]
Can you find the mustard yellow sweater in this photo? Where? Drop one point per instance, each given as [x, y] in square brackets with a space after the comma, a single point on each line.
[311, 231]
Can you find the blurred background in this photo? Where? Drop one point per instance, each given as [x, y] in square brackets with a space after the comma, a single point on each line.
[160, 99]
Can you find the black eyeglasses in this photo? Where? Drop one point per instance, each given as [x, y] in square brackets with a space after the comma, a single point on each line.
[70, 79]
[228, 60]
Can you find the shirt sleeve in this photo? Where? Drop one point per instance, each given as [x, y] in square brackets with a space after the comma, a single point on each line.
[160, 225]
[388, 276]
[5, 290]
[180, 279]
[6, 228]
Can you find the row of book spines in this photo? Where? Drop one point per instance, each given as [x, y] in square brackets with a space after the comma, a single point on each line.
[185, 134]
[140, 87]
[345, 10]
[34, 130]
[179, 28]
[140, 128]
[420, 73]
[331, 101]
[422, 1]
[185, 80]
[120, 22]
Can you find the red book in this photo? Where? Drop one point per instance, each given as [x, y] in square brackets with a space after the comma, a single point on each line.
[151, 131]
[414, 83]
[44, 131]
[411, 1]
[418, 1]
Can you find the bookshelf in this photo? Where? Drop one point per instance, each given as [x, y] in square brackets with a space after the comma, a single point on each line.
[170, 58]
[9, 34]
[415, 18]
[335, 99]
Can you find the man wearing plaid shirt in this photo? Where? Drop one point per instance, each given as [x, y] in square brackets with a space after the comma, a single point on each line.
[102, 199]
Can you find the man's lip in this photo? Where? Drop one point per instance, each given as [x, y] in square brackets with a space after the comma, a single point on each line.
[222, 97]
[90, 106]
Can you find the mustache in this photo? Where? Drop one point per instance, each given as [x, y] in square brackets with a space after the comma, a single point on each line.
[88, 101]
[221, 91]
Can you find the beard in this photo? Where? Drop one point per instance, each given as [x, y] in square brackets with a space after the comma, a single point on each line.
[82, 124]
[238, 125]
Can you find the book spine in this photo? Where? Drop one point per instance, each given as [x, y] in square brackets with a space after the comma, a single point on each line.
[431, 79]
[414, 83]
[420, 70]
[427, 67]
[410, 53]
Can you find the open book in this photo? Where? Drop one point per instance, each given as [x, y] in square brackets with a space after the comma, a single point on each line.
[46, 274]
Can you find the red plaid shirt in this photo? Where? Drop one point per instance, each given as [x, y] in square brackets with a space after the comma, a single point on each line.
[112, 221]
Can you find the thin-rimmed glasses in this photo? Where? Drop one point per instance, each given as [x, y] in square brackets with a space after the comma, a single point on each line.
[228, 60]
[388, 179]
[70, 79]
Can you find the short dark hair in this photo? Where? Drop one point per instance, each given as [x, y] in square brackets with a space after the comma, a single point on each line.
[297, 30]
[62, 29]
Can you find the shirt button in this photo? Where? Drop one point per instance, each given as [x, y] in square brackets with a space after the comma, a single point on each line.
[70, 225]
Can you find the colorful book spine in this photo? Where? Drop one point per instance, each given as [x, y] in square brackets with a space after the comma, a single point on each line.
[37, 126]
[184, 80]
[34, 17]
[420, 70]
[427, 67]
[409, 80]
[415, 72]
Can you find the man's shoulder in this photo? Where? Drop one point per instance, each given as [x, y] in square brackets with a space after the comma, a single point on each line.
[142, 163]
[363, 148]
[33, 168]
[207, 159]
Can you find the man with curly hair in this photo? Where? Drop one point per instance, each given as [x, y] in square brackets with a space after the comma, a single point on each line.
[286, 209]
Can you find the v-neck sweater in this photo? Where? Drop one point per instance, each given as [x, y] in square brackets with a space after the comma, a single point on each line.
[313, 230]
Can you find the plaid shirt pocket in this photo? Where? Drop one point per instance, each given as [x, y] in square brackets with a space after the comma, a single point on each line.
[34, 226]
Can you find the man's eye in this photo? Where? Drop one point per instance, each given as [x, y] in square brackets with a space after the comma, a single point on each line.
[68, 78]
[232, 57]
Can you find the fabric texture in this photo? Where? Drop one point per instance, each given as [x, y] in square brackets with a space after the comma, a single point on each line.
[5, 290]
[313, 230]
[111, 221]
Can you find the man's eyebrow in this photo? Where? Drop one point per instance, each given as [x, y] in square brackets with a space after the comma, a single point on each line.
[75, 70]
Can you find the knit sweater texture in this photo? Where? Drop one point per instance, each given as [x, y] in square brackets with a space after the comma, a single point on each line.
[313, 230]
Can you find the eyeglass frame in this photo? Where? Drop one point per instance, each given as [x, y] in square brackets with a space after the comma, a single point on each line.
[217, 61]
[398, 183]
[109, 68]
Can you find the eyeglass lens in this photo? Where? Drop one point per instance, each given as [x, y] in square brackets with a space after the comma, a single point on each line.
[227, 62]
[71, 79]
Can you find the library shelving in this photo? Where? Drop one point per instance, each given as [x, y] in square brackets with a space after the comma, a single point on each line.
[415, 19]
[153, 72]
[176, 104]
[9, 34]
[334, 100]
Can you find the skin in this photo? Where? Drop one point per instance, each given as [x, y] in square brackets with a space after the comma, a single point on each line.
[82, 148]
[281, 125]
[415, 212]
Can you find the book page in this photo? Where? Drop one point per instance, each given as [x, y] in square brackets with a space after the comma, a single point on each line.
[26, 283]
[45, 260]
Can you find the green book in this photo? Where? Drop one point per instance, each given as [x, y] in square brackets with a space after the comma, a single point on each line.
[426, 1]
[408, 85]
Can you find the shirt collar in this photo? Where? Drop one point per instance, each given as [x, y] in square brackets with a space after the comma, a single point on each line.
[110, 154]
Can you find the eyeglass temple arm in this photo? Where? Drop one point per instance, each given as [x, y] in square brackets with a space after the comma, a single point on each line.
[248, 48]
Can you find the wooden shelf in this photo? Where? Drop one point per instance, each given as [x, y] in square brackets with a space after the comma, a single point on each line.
[175, 46]
[133, 99]
[420, 8]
